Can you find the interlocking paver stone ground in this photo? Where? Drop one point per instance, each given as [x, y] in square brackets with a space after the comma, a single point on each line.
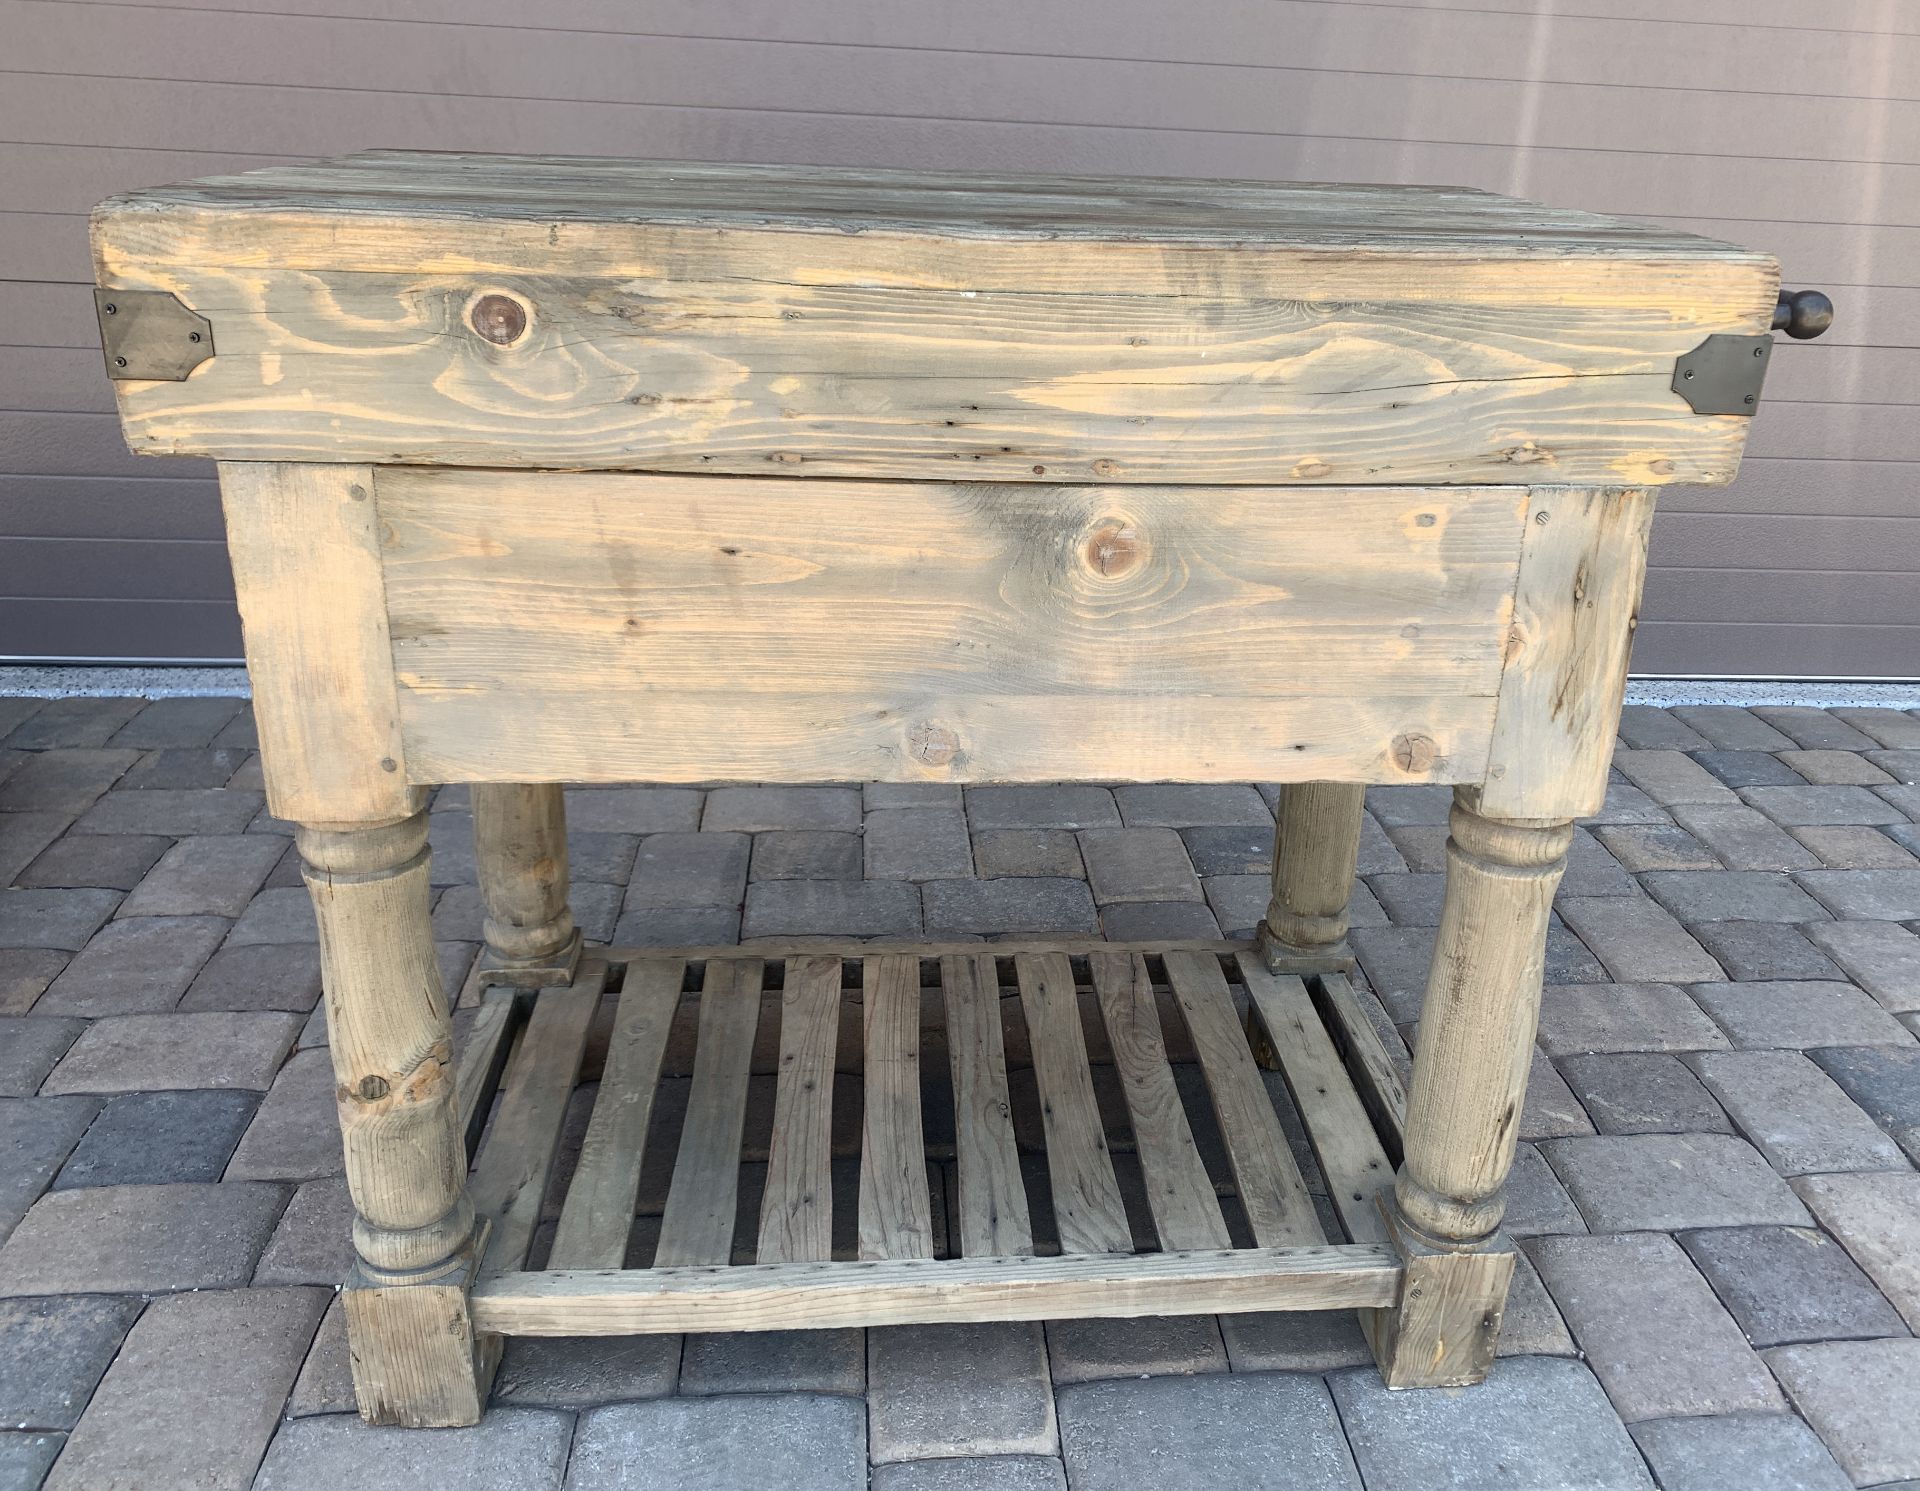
[1794, 1113]
[1866, 895]
[1877, 1219]
[259, 976]
[36, 1136]
[1786, 1284]
[206, 876]
[1576, 1018]
[1630, 1182]
[107, 861]
[149, 1138]
[511, 1449]
[131, 1053]
[53, 1352]
[1885, 1082]
[959, 1390]
[1739, 1452]
[29, 1048]
[995, 1473]
[808, 1361]
[146, 1238]
[1539, 1423]
[1263, 1431]
[62, 919]
[1797, 806]
[1763, 951]
[1689, 1357]
[1881, 957]
[1792, 1014]
[313, 1241]
[1643, 1092]
[141, 964]
[795, 1441]
[1636, 939]
[1863, 1399]
[1163, 1345]
[291, 1137]
[563, 1372]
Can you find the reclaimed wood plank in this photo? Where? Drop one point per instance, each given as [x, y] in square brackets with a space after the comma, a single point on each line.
[483, 1056]
[895, 1202]
[993, 1220]
[796, 1210]
[697, 1227]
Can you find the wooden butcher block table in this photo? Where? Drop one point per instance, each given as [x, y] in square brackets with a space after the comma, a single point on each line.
[543, 471]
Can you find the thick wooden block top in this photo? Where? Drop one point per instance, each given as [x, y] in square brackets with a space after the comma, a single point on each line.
[400, 307]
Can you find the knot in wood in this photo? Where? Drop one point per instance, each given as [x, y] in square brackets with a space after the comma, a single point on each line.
[499, 319]
[1115, 548]
[932, 745]
[1414, 753]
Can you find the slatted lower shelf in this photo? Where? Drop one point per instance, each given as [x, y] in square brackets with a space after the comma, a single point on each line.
[763, 1139]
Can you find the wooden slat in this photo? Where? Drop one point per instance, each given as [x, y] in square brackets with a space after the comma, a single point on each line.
[510, 1175]
[992, 1221]
[1086, 1197]
[482, 1058]
[1350, 1155]
[1374, 1070]
[788, 1296]
[895, 1201]
[1270, 1188]
[702, 1197]
[1180, 1194]
[598, 1212]
[796, 1210]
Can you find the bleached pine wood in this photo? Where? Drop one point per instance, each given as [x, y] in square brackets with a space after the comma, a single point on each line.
[992, 1220]
[307, 572]
[510, 1172]
[796, 1211]
[739, 320]
[417, 1358]
[1316, 845]
[1266, 1179]
[1376, 1076]
[943, 631]
[520, 851]
[895, 1202]
[1180, 1194]
[697, 1227]
[598, 1212]
[1351, 1158]
[795, 1296]
[481, 1061]
[1446, 1330]
[1574, 613]
[1087, 1208]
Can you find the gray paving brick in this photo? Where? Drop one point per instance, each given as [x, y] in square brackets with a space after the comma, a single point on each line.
[185, 768]
[1551, 1111]
[579, 1372]
[140, 1239]
[1157, 921]
[66, 782]
[23, 838]
[1240, 901]
[1636, 940]
[1531, 1324]
[1749, 769]
[686, 926]
[25, 973]
[1731, 895]
[996, 907]
[1647, 728]
[1863, 1400]
[36, 1136]
[106, 861]
[1670, 777]
[1577, 1018]
[261, 976]
[211, 876]
[936, 1390]
[177, 812]
[1395, 961]
[1153, 1346]
[1743, 839]
[1799, 806]
[1593, 871]
[1787, 1284]
[149, 1138]
[1854, 847]
[276, 916]
[1073, 807]
[918, 844]
[25, 1456]
[313, 1243]
[811, 1361]
[1876, 1216]
[180, 1406]
[1199, 1433]
[1794, 1113]
[294, 1136]
[1044, 853]
[805, 854]
[1739, 1452]
[28, 1049]
[877, 795]
[1423, 846]
[1885, 1082]
[1902, 766]
[62, 919]
[1643, 1092]
[164, 723]
[1753, 950]
[681, 870]
[634, 810]
[325, 1383]
[795, 1441]
[1635, 1182]
[74, 722]
[240, 731]
[134, 966]
[1138, 864]
[1893, 728]
[1537, 1202]
[1866, 895]
[512, 1449]
[1654, 846]
[1792, 1014]
[846, 908]
[1294, 1340]
[1569, 961]
[1688, 1357]
[1190, 805]
[16, 711]
[988, 1473]
[1411, 900]
[1542, 1423]
[132, 1053]
[53, 1351]
[1404, 807]
[1626, 803]
[758, 809]
[1813, 729]
[1835, 768]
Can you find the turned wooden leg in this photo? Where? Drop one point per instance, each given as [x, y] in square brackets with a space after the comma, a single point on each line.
[520, 846]
[1470, 1069]
[416, 1359]
[1316, 843]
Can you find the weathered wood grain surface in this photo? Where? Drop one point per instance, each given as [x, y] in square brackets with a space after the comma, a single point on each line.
[752, 319]
[707, 628]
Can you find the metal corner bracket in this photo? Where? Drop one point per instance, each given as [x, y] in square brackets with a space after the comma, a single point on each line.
[1723, 374]
[151, 335]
